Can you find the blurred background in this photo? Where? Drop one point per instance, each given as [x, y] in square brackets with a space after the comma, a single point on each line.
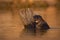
[11, 25]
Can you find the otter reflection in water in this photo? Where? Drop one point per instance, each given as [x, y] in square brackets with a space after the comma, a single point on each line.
[37, 24]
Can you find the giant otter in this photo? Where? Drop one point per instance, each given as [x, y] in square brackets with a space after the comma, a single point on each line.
[37, 23]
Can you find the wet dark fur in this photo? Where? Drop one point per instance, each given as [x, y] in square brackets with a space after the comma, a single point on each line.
[32, 26]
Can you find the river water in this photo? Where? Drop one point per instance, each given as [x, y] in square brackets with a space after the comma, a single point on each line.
[11, 27]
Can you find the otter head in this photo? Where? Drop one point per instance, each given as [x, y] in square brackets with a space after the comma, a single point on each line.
[37, 18]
